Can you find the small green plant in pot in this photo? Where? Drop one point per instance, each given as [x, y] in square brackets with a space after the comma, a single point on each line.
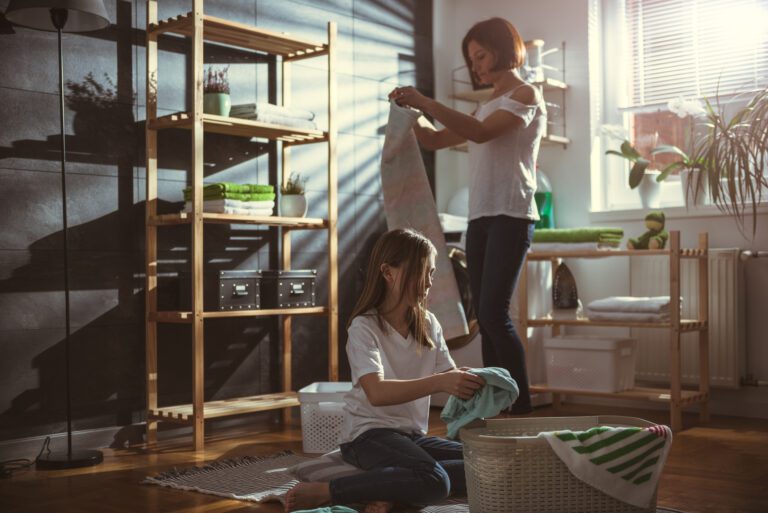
[293, 202]
[216, 98]
[642, 175]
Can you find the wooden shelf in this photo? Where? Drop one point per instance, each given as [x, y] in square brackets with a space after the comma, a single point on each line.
[685, 325]
[646, 394]
[227, 407]
[244, 36]
[601, 253]
[186, 316]
[240, 127]
[304, 223]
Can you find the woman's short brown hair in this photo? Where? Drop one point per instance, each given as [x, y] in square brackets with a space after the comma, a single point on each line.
[500, 37]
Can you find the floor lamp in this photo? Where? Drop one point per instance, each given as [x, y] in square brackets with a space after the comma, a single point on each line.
[62, 16]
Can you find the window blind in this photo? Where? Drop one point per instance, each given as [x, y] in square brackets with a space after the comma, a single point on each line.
[694, 48]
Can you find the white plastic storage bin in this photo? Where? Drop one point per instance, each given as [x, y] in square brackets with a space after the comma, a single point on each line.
[322, 411]
[581, 362]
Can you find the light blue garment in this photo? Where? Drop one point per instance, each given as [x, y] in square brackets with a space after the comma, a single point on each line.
[328, 509]
[499, 392]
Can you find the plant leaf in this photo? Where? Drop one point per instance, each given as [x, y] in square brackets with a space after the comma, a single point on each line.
[665, 172]
[629, 151]
[614, 152]
[638, 170]
[668, 148]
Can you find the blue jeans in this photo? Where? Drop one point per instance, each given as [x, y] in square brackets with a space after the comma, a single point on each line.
[401, 468]
[496, 249]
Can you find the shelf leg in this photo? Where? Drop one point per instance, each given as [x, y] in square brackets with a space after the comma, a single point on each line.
[675, 369]
[704, 334]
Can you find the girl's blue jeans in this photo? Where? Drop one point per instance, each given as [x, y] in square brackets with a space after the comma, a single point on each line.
[496, 249]
[401, 468]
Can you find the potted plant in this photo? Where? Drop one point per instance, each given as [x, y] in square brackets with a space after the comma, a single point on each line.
[293, 203]
[216, 91]
[642, 176]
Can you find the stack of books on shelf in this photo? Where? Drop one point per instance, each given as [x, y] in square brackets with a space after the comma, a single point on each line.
[235, 198]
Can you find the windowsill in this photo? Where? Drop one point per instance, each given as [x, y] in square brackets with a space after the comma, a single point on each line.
[681, 212]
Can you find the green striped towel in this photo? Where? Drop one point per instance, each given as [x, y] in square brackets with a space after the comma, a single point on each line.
[623, 462]
[240, 196]
[594, 234]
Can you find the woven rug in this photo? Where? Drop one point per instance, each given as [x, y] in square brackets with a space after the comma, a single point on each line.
[265, 478]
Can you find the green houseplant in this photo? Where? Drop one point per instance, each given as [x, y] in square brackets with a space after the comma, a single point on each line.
[293, 203]
[216, 91]
[642, 175]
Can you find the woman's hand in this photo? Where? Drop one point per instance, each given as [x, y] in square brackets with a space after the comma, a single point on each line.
[410, 97]
[461, 383]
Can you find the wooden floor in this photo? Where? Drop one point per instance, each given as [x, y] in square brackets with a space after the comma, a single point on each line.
[721, 467]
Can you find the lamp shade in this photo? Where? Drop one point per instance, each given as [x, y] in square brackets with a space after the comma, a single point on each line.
[82, 15]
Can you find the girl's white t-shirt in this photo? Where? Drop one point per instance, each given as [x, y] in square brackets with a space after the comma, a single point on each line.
[503, 170]
[386, 353]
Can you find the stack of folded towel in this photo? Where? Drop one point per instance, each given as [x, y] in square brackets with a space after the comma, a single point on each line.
[275, 115]
[630, 309]
[235, 198]
[570, 239]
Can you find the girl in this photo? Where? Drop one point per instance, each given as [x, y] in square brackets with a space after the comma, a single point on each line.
[398, 358]
[504, 135]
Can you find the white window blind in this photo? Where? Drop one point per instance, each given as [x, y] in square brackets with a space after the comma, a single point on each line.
[694, 48]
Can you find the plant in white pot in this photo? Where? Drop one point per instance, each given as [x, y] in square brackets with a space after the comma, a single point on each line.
[293, 203]
[642, 176]
[216, 98]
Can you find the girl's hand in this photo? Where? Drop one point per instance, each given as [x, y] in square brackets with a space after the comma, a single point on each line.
[462, 384]
[408, 96]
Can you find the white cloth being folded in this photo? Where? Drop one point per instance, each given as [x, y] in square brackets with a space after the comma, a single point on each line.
[258, 109]
[626, 316]
[570, 246]
[260, 205]
[653, 305]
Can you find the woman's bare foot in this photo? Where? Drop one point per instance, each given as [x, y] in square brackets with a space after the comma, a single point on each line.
[307, 496]
[378, 507]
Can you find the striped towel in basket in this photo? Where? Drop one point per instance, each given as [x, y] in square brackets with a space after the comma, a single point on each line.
[623, 462]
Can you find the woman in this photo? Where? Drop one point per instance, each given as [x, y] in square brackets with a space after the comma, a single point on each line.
[503, 135]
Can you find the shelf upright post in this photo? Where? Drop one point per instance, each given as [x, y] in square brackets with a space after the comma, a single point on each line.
[333, 267]
[703, 317]
[198, 380]
[150, 211]
[675, 369]
[286, 320]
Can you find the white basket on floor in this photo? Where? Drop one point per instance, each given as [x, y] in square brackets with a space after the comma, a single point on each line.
[322, 412]
[509, 470]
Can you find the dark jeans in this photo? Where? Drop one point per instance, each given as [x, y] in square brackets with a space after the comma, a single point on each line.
[496, 248]
[402, 468]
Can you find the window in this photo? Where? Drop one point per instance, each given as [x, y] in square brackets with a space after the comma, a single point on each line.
[669, 49]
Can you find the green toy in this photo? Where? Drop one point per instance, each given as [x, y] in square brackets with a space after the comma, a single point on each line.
[656, 236]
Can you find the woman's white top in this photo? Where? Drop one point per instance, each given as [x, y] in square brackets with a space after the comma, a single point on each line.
[503, 170]
[386, 353]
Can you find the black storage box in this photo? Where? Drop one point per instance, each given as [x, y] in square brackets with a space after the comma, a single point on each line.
[225, 290]
[288, 289]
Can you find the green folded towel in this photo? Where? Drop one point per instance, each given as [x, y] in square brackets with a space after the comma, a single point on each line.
[578, 235]
[240, 188]
[255, 196]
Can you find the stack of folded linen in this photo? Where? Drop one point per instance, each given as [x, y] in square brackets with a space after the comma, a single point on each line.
[275, 115]
[572, 239]
[235, 198]
[630, 309]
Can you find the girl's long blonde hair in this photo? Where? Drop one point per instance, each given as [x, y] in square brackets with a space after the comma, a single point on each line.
[409, 250]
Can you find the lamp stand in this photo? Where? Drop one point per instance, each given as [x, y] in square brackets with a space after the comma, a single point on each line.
[87, 457]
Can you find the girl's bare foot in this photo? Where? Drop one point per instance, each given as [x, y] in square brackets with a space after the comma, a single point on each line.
[378, 507]
[307, 496]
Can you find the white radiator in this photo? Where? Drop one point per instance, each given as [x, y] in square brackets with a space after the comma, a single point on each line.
[649, 276]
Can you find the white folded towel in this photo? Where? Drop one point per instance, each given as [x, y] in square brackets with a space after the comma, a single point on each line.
[269, 109]
[626, 316]
[261, 205]
[273, 119]
[222, 209]
[654, 305]
[623, 462]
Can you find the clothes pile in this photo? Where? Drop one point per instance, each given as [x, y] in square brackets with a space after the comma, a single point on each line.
[275, 115]
[235, 198]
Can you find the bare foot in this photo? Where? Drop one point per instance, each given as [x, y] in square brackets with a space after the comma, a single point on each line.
[378, 507]
[307, 496]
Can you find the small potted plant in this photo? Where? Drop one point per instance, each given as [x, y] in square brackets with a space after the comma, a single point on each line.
[642, 176]
[216, 91]
[293, 203]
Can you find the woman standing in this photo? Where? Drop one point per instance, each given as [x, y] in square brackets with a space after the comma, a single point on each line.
[503, 136]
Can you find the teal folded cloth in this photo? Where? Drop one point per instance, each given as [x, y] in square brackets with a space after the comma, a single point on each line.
[328, 509]
[591, 234]
[498, 394]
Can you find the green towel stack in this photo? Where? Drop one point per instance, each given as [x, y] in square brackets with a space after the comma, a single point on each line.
[235, 191]
[601, 235]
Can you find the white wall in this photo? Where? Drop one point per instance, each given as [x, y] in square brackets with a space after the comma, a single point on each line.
[556, 21]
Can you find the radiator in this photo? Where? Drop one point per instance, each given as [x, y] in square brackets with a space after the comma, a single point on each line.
[649, 276]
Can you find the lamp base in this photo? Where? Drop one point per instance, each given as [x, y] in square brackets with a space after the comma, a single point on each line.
[63, 460]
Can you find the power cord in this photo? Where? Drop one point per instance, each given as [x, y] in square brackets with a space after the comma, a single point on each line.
[9, 467]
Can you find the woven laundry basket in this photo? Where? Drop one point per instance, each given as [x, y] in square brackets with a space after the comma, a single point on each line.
[509, 470]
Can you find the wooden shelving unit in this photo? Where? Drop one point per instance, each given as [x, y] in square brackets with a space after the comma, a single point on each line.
[674, 395]
[199, 28]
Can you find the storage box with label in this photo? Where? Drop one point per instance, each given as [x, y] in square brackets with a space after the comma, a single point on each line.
[293, 288]
[238, 289]
[583, 362]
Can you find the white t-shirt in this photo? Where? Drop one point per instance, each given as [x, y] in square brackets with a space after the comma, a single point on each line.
[386, 353]
[503, 170]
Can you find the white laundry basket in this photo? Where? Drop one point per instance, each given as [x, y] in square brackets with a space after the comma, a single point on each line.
[322, 411]
[509, 470]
